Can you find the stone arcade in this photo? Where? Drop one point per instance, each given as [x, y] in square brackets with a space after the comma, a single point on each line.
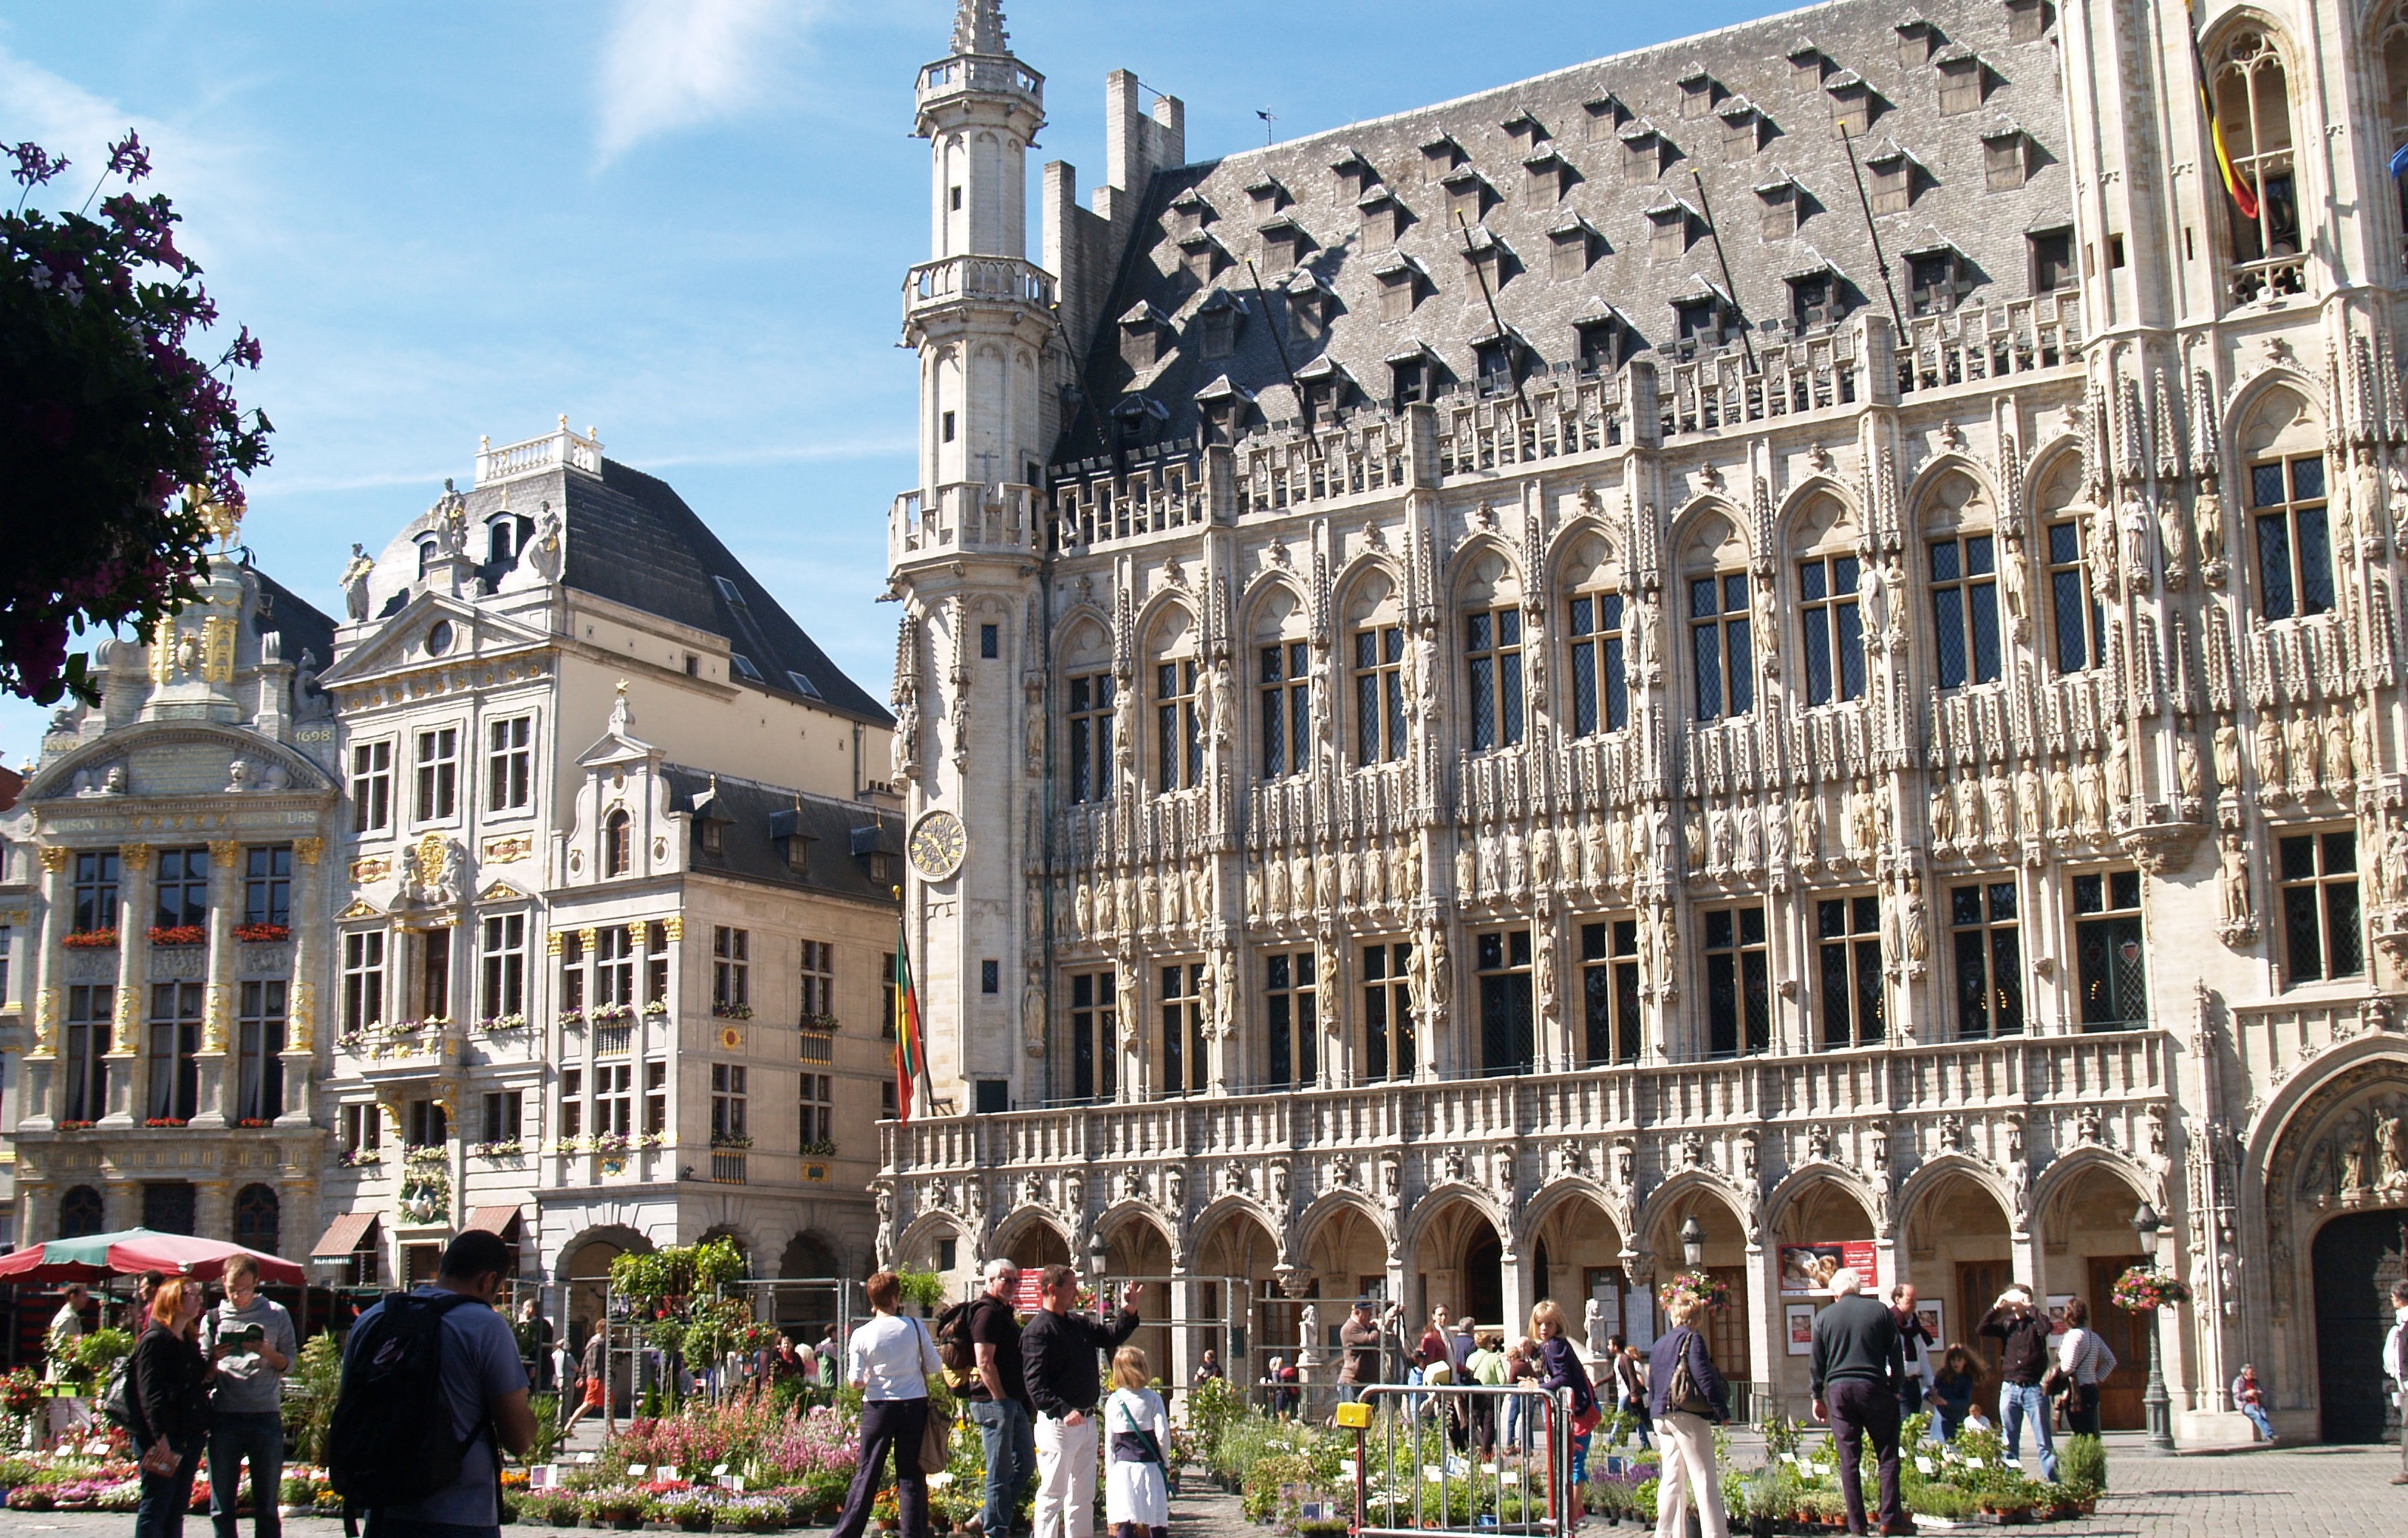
[1520, 703]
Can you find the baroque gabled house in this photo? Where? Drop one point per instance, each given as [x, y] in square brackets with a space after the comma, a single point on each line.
[173, 867]
[1775, 648]
[528, 1010]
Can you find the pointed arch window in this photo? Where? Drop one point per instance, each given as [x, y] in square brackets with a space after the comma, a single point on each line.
[1719, 645]
[1179, 741]
[1600, 686]
[1492, 650]
[2253, 108]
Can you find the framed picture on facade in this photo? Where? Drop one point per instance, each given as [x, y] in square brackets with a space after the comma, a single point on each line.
[1800, 1319]
[1933, 1312]
[2057, 1301]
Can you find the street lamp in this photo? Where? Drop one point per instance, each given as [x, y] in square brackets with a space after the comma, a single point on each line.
[1693, 1241]
[2160, 1406]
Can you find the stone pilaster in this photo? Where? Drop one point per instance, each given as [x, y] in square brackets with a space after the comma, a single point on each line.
[301, 1003]
[127, 1080]
[213, 1102]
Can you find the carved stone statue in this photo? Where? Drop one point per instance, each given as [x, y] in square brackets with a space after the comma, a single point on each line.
[1213, 706]
[2091, 787]
[2187, 767]
[1638, 632]
[545, 553]
[2062, 808]
[1915, 927]
[2232, 883]
[2340, 754]
[2307, 754]
[1594, 1327]
[1806, 829]
[354, 582]
[2272, 782]
[2390, 1150]
[1873, 601]
[2207, 523]
[2119, 767]
[1944, 817]
[1467, 870]
[1032, 1013]
[2228, 754]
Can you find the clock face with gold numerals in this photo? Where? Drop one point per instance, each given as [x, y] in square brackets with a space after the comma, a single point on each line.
[937, 843]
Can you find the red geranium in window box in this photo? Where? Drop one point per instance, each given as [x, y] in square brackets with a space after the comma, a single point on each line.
[90, 940]
[254, 1121]
[263, 933]
[178, 934]
[165, 1121]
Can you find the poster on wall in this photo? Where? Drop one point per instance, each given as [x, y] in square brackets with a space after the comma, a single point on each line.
[2057, 1301]
[1933, 1312]
[1638, 1319]
[1806, 1270]
[1801, 1329]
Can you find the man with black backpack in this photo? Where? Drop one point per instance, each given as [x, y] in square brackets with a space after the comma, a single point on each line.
[432, 1387]
[996, 1390]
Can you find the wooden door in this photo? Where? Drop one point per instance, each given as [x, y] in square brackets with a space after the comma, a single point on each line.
[1978, 1285]
[2126, 1334]
[1727, 1331]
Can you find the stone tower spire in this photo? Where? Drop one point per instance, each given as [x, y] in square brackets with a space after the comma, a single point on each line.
[978, 28]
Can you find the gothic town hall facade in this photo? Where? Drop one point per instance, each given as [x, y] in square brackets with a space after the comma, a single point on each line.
[1778, 649]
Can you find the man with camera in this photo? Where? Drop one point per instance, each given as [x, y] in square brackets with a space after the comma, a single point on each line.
[249, 1339]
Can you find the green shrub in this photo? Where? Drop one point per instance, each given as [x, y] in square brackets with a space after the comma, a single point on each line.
[309, 1395]
[2081, 1464]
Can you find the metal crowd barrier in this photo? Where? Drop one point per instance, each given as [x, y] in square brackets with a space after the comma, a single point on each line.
[1437, 1458]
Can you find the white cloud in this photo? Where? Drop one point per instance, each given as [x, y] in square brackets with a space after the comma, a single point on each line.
[673, 63]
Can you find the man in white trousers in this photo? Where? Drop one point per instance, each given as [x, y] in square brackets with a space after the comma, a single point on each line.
[1058, 1351]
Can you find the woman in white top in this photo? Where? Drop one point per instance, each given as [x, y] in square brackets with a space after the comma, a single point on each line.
[892, 1360]
[2085, 1360]
[1137, 1490]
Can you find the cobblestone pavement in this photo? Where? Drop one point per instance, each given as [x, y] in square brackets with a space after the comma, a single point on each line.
[2278, 1493]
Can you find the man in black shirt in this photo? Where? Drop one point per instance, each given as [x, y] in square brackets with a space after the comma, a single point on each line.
[998, 1399]
[2022, 1333]
[1058, 1350]
[1854, 1376]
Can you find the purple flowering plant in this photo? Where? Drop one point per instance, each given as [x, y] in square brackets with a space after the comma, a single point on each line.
[116, 433]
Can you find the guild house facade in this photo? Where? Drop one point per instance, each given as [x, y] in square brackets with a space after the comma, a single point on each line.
[1775, 649]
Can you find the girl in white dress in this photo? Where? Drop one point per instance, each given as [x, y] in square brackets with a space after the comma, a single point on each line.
[1137, 1490]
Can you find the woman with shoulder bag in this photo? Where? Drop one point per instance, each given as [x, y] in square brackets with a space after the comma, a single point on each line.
[894, 1359]
[2083, 1361]
[170, 1382]
[1137, 1487]
[1686, 1396]
[1561, 1369]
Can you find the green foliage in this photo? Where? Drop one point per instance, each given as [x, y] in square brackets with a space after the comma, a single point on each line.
[309, 1394]
[2082, 1463]
[924, 1287]
[92, 1356]
[548, 1434]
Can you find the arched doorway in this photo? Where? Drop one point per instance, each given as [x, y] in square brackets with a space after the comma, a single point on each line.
[257, 1218]
[1484, 1278]
[1960, 1253]
[806, 1313]
[586, 1270]
[2085, 1227]
[1236, 1250]
[1730, 1332]
[2356, 1258]
[1458, 1265]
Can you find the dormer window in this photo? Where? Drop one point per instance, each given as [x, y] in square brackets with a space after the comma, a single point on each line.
[1408, 377]
[1216, 325]
[1310, 308]
[1815, 298]
[1782, 202]
[1441, 156]
[425, 558]
[1384, 218]
[1574, 242]
[1499, 364]
[1526, 131]
[1668, 230]
[1400, 288]
[1136, 416]
[1937, 280]
[1960, 81]
[1548, 175]
[1705, 320]
[501, 539]
[1806, 62]
[1202, 256]
[713, 836]
[1324, 390]
[1891, 180]
[1468, 196]
[1916, 39]
[1605, 116]
[1189, 213]
[1642, 153]
[1604, 342]
[1741, 126]
[2026, 20]
[2006, 159]
[1696, 93]
[1285, 243]
[1141, 337]
[793, 843]
[1222, 405]
[1355, 176]
[1852, 100]
[1486, 258]
[1269, 196]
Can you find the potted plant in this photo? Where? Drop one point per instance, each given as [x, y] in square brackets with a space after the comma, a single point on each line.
[887, 1512]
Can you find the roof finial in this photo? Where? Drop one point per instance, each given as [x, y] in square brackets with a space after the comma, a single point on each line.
[978, 28]
[619, 715]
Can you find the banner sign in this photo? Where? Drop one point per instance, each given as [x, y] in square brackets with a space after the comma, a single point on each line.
[1806, 1270]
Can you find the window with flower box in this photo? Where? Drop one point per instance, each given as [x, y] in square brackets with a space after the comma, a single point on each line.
[95, 892]
[572, 1105]
[572, 975]
[182, 912]
[505, 1113]
[727, 1097]
[435, 975]
[84, 1095]
[657, 1098]
[173, 1063]
[817, 1132]
[656, 965]
[429, 1125]
[362, 978]
[614, 1099]
[818, 1011]
[614, 971]
[363, 1131]
[267, 891]
[259, 1042]
[731, 972]
[503, 979]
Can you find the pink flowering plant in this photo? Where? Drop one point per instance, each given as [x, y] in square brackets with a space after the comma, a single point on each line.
[127, 439]
[2143, 1288]
[1705, 1289]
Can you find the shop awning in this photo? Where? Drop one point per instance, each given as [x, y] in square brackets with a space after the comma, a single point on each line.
[344, 1236]
[493, 1219]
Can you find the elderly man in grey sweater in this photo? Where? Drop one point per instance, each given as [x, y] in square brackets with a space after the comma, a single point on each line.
[249, 1340]
[1854, 1375]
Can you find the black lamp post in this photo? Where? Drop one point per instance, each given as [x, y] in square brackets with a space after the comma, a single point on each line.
[1693, 1242]
[2159, 1405]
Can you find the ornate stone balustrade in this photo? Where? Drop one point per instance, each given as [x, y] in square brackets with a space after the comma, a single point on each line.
[1006, 278]
[961, 516]
[1790, 377]
[955, 76]
[1990, 341]
[557, 448]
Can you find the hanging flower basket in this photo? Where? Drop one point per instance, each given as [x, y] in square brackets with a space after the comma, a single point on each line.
[1705, 1289]
[2143, 1288]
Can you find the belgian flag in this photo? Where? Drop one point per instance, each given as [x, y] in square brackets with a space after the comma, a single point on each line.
[910, 1048]
[2244, 197]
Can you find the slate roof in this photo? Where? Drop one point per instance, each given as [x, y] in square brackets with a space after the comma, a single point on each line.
[633, 541]
[1588, 112]
[292, 617]
[758, 819]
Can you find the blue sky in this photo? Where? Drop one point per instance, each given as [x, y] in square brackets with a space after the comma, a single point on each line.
[685, 222]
